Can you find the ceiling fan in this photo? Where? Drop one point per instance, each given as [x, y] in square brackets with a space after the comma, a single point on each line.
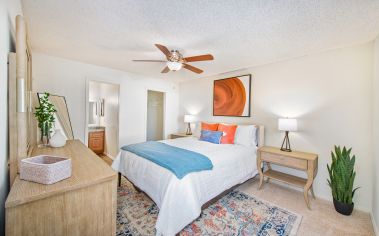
[175, 60]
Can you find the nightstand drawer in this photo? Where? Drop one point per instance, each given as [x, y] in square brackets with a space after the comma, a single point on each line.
[285, 161]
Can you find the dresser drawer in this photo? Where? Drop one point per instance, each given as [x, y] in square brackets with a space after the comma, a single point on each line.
[285, 161]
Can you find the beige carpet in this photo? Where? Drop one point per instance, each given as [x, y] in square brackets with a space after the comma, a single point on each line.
[321, 220]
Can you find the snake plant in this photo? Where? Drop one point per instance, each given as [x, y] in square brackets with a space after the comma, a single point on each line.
[342, 175]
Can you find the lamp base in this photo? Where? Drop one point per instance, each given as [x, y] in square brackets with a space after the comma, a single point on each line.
[189, 132]
[286, 142]
[285, 150]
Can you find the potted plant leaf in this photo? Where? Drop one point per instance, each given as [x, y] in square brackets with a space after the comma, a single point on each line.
[342, 175]
[45, 117]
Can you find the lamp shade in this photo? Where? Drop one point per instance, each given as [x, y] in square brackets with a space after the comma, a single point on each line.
[174, 65]
[189, 118]
[286, 124]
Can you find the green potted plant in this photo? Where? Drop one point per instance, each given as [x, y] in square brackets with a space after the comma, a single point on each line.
[342, 175]
[45, 117]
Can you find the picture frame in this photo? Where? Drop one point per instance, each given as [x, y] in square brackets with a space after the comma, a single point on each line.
[231, 96]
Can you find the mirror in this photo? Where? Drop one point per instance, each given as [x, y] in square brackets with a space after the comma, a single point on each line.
[62, 118]
[95, 111]
[92, 113]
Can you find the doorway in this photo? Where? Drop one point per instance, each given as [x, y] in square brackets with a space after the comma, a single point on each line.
[103, 118]
[155, 115]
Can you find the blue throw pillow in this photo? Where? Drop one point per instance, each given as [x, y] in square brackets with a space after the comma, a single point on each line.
[211, 136]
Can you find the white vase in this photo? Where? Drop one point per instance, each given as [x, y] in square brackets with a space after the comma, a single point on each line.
[58, 139]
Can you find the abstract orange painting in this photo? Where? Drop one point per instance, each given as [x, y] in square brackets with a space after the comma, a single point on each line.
[231, 96]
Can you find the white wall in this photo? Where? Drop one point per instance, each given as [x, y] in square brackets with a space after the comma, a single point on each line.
[8, 11]
[68, 78]
[376, 134]
[110, 94]
[329, 94]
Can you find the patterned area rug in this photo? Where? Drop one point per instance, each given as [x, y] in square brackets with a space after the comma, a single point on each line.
[235, 214]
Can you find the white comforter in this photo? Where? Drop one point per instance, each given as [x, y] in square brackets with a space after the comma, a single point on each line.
[180, 200]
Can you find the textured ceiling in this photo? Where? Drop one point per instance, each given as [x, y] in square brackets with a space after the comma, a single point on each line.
[239, 33]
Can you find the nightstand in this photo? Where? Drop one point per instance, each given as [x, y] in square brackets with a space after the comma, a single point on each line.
[180, 135]
[298, 160]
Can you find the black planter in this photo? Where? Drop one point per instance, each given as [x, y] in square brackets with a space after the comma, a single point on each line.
[343, 208]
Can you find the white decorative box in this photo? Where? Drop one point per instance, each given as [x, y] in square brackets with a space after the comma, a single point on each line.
[45, 169]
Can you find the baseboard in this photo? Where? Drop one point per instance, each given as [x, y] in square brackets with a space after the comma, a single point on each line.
[376, 230]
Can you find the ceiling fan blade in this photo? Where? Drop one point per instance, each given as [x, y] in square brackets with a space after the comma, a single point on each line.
[206, 57]
[165, 70]
[163, 49]
[149, 61]
[192, 68]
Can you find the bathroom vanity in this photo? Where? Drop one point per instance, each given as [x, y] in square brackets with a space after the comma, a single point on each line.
[96, 139]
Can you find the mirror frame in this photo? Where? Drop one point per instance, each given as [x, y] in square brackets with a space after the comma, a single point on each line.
[68, 114]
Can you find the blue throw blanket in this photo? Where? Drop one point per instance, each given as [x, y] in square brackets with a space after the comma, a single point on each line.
[179, 161]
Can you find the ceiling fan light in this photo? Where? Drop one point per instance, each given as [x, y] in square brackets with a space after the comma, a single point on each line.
[174, 66]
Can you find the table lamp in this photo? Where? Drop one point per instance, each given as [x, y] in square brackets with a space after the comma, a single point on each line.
[287, 125]
[189, 119]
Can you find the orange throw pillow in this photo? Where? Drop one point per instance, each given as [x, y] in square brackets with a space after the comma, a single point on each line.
[207, 126]
[229, 133]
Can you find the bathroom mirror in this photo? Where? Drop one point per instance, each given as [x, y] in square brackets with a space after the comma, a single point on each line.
[92, 113]
[96, 109]
[62, 117]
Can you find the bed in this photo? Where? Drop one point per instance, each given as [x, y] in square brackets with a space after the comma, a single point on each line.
[180, 200]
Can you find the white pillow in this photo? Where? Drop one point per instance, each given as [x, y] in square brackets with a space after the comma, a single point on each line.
[246, 135]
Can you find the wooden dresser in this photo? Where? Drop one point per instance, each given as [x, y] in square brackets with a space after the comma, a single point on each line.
[84, 204]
